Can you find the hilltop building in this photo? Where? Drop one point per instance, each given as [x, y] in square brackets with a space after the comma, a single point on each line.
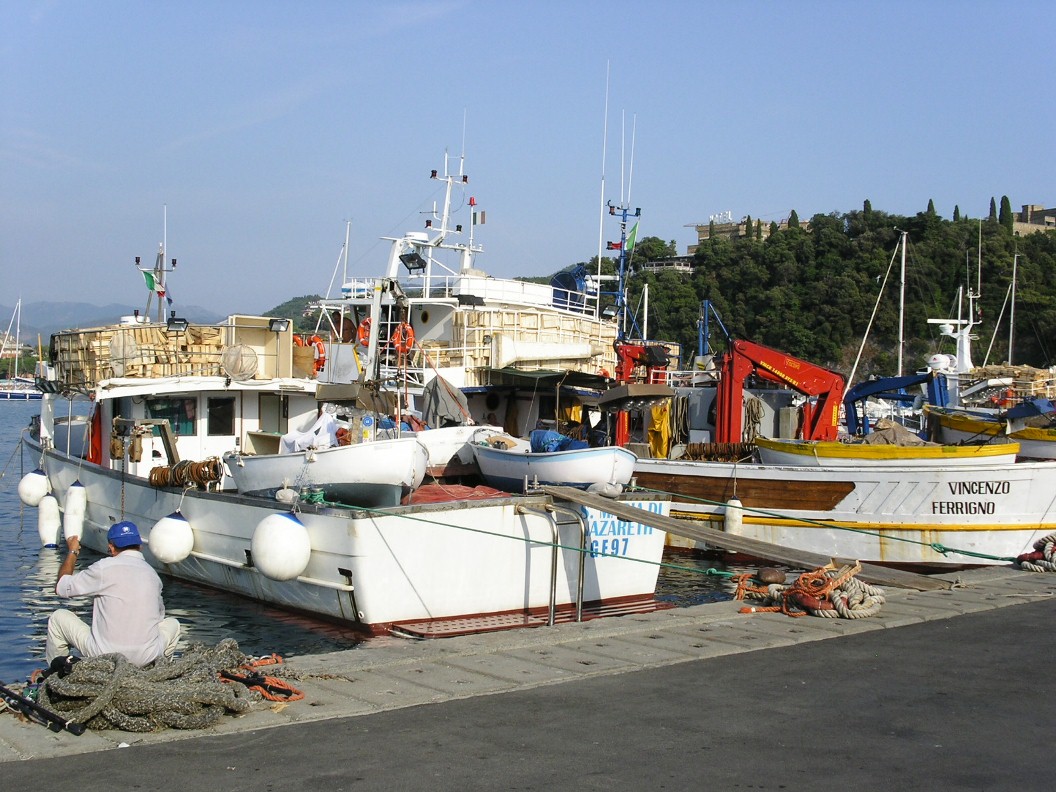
[724, 226]
[1034, 218]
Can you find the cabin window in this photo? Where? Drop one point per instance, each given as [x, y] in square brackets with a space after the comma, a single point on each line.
[180, 413]
[220, 416]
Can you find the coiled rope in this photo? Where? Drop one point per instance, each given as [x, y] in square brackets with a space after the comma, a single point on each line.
[186, 471]
[1043, 559]
[108, 692]
[827, 592]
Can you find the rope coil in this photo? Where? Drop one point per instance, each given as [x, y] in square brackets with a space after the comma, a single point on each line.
[826, 592]
[1043, 559]
[186, 471]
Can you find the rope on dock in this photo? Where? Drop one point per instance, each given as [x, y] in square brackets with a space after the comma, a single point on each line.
[108, 692]
[1043, 559]
[826, 592]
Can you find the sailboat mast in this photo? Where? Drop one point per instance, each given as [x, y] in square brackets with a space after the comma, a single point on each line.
[902, 305]
[1012, 308]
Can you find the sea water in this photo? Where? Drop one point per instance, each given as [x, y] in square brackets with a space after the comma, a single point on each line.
[28, 576]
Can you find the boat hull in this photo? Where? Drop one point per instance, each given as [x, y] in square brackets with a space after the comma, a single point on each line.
[979, 514]
[509, 469]
[377, 474]
[374, 570]
[955, 427]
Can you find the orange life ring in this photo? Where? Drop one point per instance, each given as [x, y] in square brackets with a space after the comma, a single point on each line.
[402, 338]
[320, 351]
[363, 332]
[298, 341]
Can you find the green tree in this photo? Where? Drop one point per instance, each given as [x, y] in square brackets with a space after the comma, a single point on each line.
[956, 213]
[993, 210]
[1005, 217]
[793, 219]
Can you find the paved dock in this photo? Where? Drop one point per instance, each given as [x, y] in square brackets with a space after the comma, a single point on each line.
[941, 689]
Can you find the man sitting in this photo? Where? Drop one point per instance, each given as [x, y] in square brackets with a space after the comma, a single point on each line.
[128, 615]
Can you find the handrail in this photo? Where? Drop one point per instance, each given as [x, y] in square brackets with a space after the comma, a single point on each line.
[553, 557]
[582, 552]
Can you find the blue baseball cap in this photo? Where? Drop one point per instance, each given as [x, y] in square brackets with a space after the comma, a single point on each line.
[123, 534]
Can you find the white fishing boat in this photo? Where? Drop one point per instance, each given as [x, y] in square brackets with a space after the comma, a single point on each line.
[171, 397]
[934, 515]
[379, 473]
[510, 464]
[837, 453]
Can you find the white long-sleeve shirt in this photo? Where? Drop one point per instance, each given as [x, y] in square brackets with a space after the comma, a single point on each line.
[127, 609]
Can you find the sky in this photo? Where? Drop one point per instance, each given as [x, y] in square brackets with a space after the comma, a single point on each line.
[250, 133]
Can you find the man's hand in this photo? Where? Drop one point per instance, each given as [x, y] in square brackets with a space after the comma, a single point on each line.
[70, 561]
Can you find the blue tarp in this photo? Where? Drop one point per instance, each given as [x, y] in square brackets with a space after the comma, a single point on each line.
[545, 440]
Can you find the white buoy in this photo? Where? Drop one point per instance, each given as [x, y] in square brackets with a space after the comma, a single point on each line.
[76, 507]
[48, 521]
[171, 539]
[733, 520]
[33, 487]
[280, 546]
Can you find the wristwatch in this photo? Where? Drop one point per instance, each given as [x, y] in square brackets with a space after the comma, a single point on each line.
[76, 552]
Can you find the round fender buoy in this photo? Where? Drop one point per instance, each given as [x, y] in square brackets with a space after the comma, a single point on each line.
[733, 516]
[73, 514]
[34, 486]
[280, 546]
[171, 539]
[48, 521]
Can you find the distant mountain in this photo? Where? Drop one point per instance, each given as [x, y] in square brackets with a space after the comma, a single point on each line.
[45, 318]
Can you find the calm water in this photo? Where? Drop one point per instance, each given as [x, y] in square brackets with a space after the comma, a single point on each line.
[28, 574]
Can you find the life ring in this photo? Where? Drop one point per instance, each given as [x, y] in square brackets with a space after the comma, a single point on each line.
[320, 351]
[402, 338]
[363, 332]
[298, 341]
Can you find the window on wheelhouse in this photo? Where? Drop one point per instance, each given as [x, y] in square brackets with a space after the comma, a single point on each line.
[220, 416]
[181, 413]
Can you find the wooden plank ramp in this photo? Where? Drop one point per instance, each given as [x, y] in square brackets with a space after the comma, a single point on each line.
[799, 559]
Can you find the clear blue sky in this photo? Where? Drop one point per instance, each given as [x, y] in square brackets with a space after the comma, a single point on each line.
[264, 126]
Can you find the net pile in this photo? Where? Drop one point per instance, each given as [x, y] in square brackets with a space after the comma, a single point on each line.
[108, 692]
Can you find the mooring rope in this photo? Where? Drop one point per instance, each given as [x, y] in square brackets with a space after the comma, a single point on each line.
[108, 692]
[826, 592]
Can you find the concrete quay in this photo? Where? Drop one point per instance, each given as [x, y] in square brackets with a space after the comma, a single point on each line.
[934, 691]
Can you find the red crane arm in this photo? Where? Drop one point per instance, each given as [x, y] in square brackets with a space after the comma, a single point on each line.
[820, 419]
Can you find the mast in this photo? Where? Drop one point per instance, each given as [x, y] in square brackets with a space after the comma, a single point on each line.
[1012, 308]
[902, 305]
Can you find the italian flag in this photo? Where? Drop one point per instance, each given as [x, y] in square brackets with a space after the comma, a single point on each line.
[152, 283]
[631, 237]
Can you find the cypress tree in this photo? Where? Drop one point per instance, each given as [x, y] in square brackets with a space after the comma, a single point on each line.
[993, 210]
[956, 213]
[1005, 217]
[931, 207]
[793, 219]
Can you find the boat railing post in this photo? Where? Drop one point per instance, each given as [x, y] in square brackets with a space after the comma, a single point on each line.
[553, 556]
[575, 513]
